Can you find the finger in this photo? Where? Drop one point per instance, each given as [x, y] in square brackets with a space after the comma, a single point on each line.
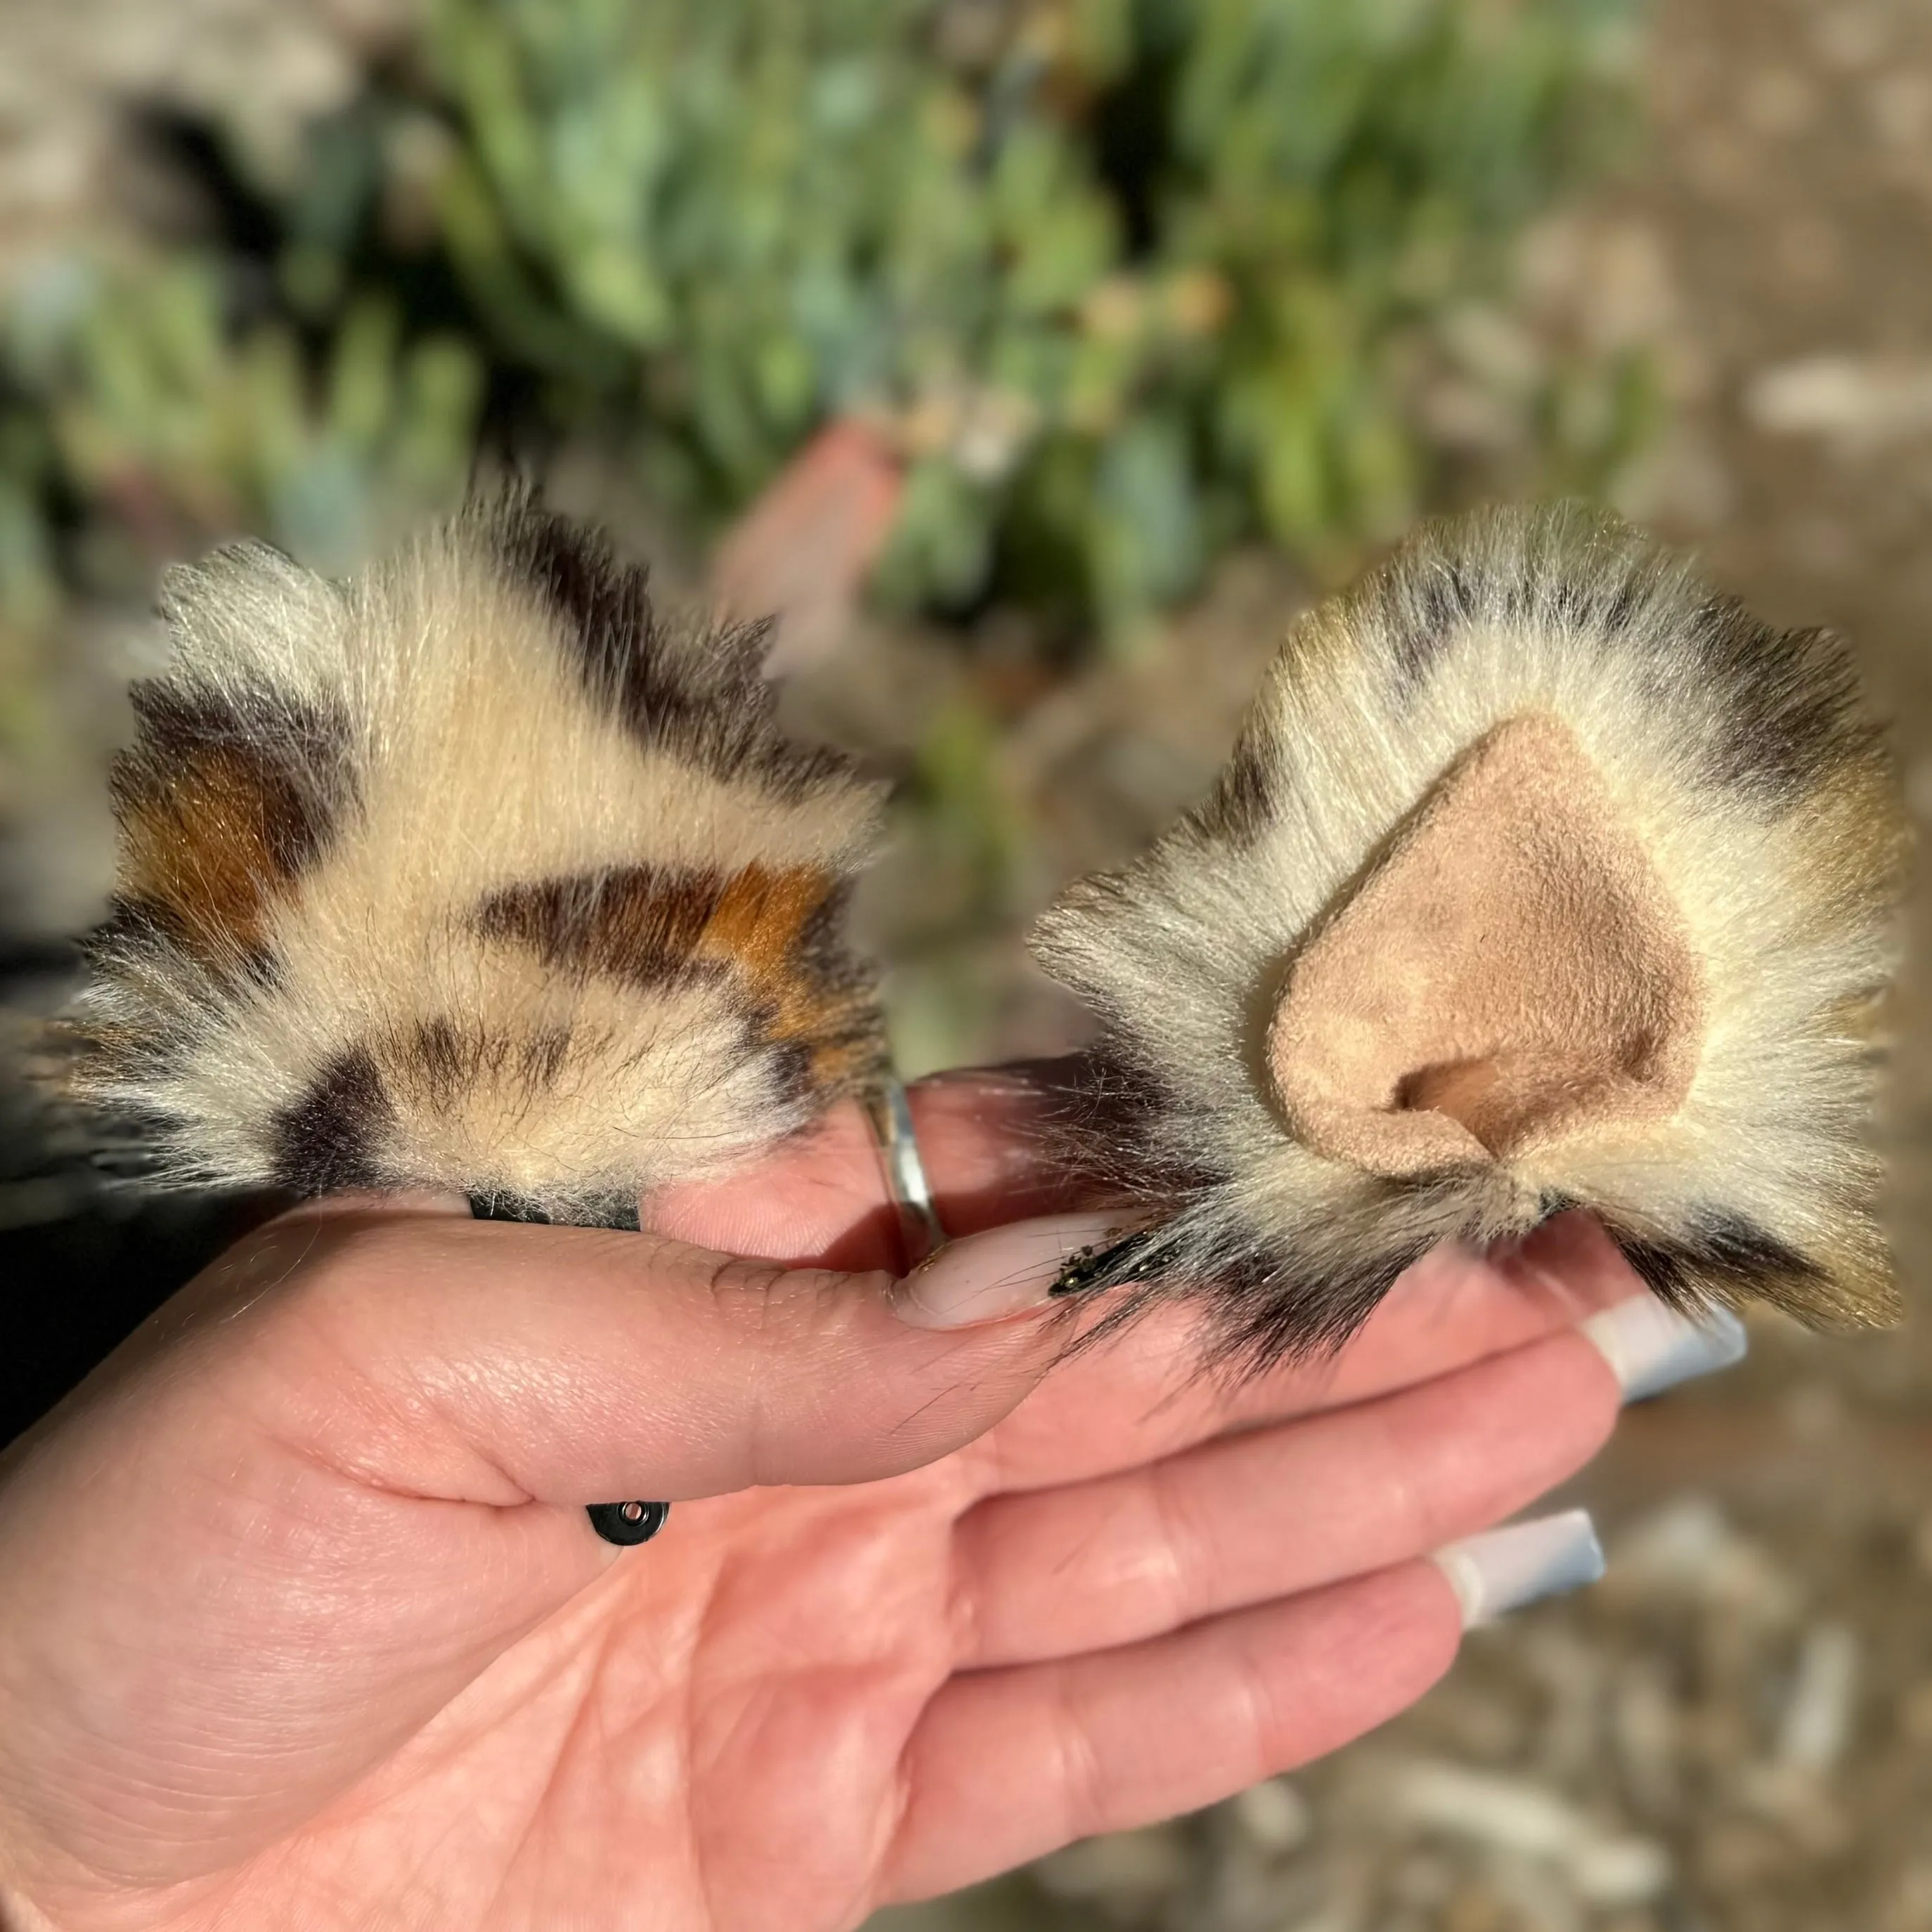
[1142, 1395]
[499, 1363]
[990, 1134]
[1007, 1765]
[1269, 1512]
[820, 1198]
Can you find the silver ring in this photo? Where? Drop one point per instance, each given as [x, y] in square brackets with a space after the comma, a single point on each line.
[906, 1184]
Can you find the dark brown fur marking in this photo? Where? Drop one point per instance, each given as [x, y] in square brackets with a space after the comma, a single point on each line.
[706, 699]
[1447, 601]
[1724, 1253]
[446, 1059]
[543, 1054]
[777, 930]
[331, 1137]
[641, 924]
[442, 1058]
[1238, 808]
[1788, 700]
[1451, 594]
[1792, 711]
[222, 806]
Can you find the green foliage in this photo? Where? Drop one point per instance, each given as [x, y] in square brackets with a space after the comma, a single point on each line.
[153, 403]
[137, 420]
[29, 589]
[1122, 280]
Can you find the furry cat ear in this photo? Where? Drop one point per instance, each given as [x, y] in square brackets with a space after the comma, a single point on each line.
[471, 872]
[1541, 878]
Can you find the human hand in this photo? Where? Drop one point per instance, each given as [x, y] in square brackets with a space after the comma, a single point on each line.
[301, 1623]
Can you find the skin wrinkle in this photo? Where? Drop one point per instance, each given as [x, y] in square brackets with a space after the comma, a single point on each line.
[422, 1863]
[544, 1795]
[344, 1452]
[1083, 1810]
[709, 1869]
[873, 1888]
[1419, 1530]
[1263, 1719]
[746, 1720]
[686, 1735]
[756, 1283]
[900, 1800]
[965, 1614]
[340, 1450]
[583, 1703]
[1167, 1540]
[1467, 1432]
[148, 1791]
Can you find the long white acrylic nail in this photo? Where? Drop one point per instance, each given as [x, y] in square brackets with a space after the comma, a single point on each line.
[1005, 1271]
[1651, 1347]
[1502, 1570]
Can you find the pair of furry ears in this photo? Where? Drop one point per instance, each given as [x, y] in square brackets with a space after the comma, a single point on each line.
[1539, 878]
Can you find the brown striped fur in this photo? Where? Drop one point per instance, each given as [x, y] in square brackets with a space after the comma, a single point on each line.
[221, 807]
[472, 872]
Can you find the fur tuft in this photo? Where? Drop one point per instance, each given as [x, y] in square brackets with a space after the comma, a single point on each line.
[471, 873]
[1539, 878]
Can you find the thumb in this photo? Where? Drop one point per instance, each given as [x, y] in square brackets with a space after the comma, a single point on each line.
[499, 1363]
[311, 1500]
[333, 1478]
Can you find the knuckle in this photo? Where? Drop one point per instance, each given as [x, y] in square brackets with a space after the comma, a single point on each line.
[769, 1302]
[1175, 1558]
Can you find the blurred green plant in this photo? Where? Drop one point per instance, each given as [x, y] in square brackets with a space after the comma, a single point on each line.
[29, 593]
[1120, 281]
[1123, 279]
[152, 404]
[136, 421]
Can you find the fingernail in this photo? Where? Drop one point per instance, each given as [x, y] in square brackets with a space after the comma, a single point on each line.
[1522, 1563]
[1651, 1347]
[1004, 1271]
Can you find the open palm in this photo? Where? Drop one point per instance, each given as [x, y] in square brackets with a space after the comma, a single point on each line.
[301, 1624]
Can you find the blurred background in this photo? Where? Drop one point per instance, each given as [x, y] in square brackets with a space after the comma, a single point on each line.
[1038, 359]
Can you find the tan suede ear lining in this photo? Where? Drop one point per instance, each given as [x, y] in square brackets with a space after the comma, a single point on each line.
[1513, 973]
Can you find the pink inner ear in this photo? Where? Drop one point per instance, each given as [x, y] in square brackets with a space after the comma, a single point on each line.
[1513, 973]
